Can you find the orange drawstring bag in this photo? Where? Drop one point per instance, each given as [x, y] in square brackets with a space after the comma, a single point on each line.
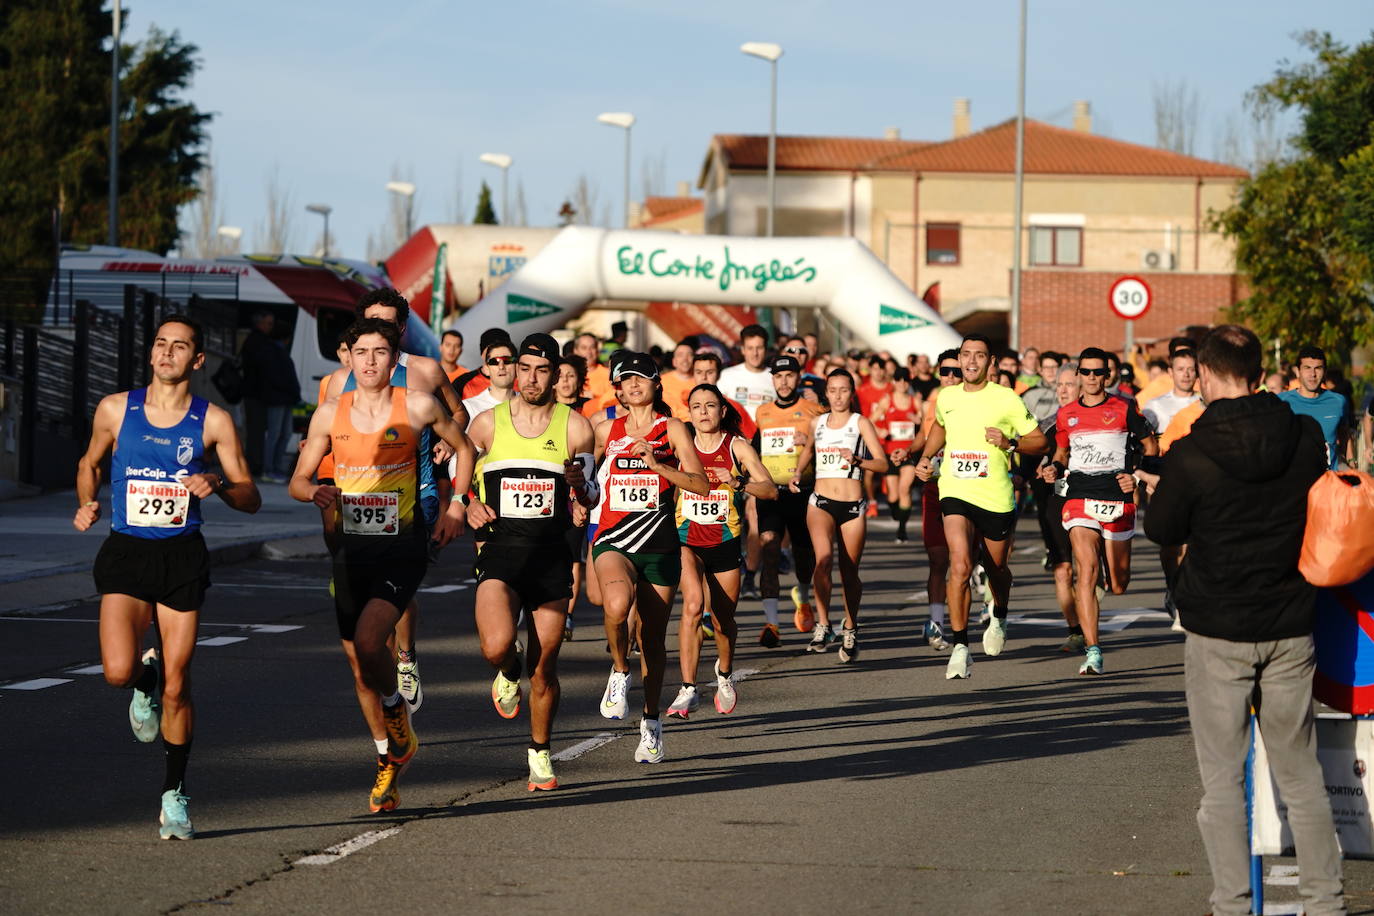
[1338, 543]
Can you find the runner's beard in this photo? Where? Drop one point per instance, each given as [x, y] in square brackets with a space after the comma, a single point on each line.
[544, 397]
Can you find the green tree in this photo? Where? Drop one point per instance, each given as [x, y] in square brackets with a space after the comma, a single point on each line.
[486, 214]
[1304, 225]
[54, 139]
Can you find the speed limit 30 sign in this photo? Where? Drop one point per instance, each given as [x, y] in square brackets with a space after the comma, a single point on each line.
[1130, 298]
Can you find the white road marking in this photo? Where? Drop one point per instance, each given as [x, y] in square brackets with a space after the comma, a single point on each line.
[87, 669]
[1283, 909]
[273, 627]
[917, 596]
[348, 847]
[582, 747]
[1282, 876]
[742, 673]
[37, 683]
[220, 640]
[442, 589]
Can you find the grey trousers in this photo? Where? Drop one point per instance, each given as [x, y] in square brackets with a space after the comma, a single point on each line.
[1223, 679]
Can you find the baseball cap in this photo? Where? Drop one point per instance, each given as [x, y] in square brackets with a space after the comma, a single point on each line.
[540, 345]
[632, 363]
[784, 364]
[493, 336]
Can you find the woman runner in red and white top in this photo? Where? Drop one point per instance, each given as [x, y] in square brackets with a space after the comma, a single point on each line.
[898, 416]
[843, 445]
[643, 457]
[709, 528]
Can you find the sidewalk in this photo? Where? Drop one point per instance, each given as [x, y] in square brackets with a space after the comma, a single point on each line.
[46, 561]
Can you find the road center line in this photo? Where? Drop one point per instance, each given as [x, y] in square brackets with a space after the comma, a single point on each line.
[37, 683]
[348, 847]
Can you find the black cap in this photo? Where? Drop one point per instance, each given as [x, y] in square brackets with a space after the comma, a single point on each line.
[493, 336]
[632, 363]
[784, 364]
[541, 345]
[619, 327]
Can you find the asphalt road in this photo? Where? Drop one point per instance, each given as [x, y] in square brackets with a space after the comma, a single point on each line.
[878, 786]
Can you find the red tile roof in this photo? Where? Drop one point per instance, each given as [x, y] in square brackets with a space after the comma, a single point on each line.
[1049, 151]
[659, 209]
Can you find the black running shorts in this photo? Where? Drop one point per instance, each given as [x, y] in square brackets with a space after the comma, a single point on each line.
[355, 584]
[994, 526]
[717, 558]
[173, 572]
[537, 573]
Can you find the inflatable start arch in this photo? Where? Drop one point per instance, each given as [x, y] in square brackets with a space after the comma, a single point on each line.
[837, 275]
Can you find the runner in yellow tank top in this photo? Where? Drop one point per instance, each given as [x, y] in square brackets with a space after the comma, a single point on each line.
[380, 562]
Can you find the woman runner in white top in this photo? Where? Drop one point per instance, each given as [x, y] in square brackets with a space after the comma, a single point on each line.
[843, 445]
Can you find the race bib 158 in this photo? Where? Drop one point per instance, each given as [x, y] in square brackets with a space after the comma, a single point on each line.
[711, 509]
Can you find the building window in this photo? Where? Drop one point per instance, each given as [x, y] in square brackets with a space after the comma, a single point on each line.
[1056, 246]
[942, 243]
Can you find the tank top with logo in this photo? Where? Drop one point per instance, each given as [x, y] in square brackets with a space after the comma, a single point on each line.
[522, 481]
[831, 444]
[429, 492]
[378, 473]
[148, 500]
[706, 521]
[637, 504]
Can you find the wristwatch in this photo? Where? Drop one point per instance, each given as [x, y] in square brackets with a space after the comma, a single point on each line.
[740, 482]
[1014, 442]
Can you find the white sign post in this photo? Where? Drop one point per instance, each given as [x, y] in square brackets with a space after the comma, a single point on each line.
[1130, 299]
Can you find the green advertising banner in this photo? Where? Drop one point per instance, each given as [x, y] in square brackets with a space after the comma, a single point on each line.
[523, 308]
[438, 293]
[891, 320]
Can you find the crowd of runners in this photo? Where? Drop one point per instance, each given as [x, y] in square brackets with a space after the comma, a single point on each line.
[627, 477]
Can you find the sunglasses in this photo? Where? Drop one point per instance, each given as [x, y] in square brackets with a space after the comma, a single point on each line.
[951, 370]
[500, 360]
[1101, 373]
[795, 350]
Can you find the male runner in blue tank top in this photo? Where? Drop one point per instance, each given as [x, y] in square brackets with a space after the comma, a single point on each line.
[154, 565]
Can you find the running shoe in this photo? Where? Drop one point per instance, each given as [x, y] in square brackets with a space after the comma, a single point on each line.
[985, 614]
[995, 637]
[650, 748]
[634, 648]
[726, 697]
[686, 703]
[849, 644]
[568, 629]
[145, 710]
[1172, 610]
[408, 681]
[403, 740]
[935, 636]
[804, 617]
[960, 666]
[175, 820]
[750, 588]
[708, 626]
[900, 537]
[505, 696]
[769, 637]
[821, 636]
[386, 793]
[614, 703]
[872, 510]
[1092, 662]
[541, 771]
[1074, 644]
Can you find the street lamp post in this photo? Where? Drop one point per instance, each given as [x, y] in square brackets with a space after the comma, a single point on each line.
[323, 210]
[406, 190]
[766, 50]
[626, 120]
[232, 233]
[1014, 318]
[112, 236]
[502, 162]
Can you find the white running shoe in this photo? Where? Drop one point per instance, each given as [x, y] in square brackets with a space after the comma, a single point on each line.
[650, 748]
[849, 644]
[821, 636]
[408, 682]
[726, 697]
[686, 703]
[995, 637]
[959, 665]
[935, 636]
[614, 702]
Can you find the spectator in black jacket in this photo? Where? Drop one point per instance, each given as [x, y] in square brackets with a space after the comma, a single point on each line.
[1235, 491]
[270, 391]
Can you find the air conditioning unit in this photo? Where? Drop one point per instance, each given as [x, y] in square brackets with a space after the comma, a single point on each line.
[1157, 259]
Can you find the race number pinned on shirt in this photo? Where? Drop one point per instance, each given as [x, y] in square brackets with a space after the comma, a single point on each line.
[901, 430]
[528, 498]
[634, 493]
[155, 504]
[777, 441]
[371, 513]
[967, 464]
[1104, 510]
[830, 462]
[710, 509]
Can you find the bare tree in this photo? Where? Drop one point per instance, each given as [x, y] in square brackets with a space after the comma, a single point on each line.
[1249, 140]
[1176, 116]
[392, 233]
[589, 209]
[207, 214]
[519, 213]
[458, 208]
[275, 235]
[655, 174]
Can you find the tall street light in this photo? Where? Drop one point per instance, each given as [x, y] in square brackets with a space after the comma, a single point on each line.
[626, 120]
[502, 162]
[766, 50]
[112, 237]
[406, 190]
[1014, 318]
[323, 210]
[232, 233]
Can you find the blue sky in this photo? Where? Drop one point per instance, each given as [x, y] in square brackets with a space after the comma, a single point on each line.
[335, 96]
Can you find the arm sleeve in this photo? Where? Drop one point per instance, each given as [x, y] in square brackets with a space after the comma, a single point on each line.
[588, 462]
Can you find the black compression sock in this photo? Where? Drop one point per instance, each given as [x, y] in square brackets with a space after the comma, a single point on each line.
[147, 681]
[999, 612]
[652, 717]
[539, 745]
[1075, 631]
[959, 637]
[177, 755]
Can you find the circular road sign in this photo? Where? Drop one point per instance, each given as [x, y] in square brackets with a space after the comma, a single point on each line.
[1130, 298]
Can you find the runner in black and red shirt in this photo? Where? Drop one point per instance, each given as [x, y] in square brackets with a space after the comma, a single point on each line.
[1097, 439]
